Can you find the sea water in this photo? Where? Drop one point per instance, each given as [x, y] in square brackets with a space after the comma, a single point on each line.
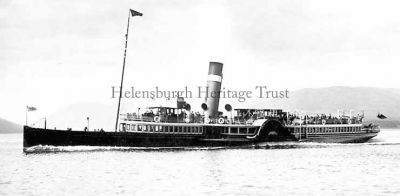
[371, 168]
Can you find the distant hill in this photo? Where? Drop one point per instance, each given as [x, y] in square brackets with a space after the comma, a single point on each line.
[74, 116]
[9, 127]
[317, 100]
[329, 100]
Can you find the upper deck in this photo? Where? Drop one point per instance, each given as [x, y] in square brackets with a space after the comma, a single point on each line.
[238, 118]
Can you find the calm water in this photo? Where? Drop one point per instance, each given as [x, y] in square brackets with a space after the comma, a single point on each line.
[299, 169]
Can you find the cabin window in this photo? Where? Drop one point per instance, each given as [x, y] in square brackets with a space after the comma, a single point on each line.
[242, 130]
[235, 130]
[251, 130]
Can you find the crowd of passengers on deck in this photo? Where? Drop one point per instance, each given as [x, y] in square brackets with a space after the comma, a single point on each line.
[247, 117]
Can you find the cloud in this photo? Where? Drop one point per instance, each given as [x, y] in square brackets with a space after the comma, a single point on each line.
[55, 53]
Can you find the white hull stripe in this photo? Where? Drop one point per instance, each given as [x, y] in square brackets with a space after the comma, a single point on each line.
[214, 78]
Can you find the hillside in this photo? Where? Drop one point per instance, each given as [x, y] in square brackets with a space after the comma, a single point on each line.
[9, 127]
[329, 100]
[320, 100]
[74, 116]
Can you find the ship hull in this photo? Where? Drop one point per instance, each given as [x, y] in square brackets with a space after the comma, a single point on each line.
[340, 138]
[37, 136]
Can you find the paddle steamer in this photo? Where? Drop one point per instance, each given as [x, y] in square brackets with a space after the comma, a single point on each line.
[179, 126]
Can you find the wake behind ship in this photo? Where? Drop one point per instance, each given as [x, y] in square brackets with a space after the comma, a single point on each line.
[180, 126]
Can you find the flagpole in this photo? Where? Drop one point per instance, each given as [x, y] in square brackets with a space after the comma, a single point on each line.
[26, 115]
[123, 70]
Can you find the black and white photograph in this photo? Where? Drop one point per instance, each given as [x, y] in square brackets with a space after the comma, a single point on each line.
[199, 97]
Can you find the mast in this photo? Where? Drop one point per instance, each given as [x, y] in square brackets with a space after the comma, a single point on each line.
[134, 13]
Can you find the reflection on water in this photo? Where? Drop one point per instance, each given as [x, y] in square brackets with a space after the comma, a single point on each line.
[274, 169]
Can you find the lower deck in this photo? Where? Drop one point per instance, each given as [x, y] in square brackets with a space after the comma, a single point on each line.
[182, 134]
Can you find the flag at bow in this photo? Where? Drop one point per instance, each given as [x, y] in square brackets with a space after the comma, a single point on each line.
[30, 109]
[135, 13]
[381, 116]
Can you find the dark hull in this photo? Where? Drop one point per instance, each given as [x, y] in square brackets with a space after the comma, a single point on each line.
[36, 136]
[341, 138]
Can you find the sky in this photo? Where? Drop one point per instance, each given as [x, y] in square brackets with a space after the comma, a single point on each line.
[57, 53]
